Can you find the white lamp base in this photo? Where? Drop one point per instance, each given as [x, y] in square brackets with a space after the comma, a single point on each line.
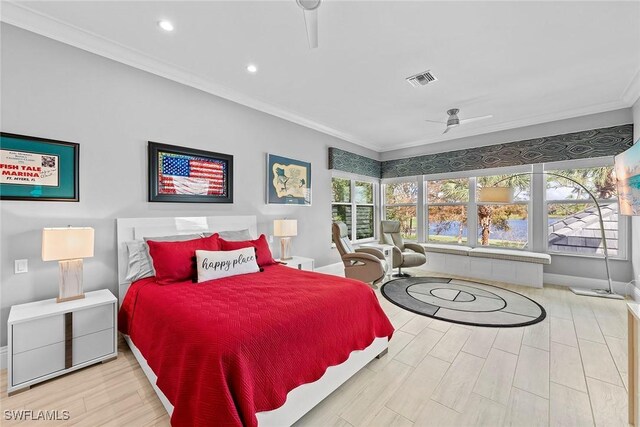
[285, 248]
[70, 280]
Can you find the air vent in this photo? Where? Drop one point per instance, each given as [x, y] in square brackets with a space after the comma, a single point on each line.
[421, 79]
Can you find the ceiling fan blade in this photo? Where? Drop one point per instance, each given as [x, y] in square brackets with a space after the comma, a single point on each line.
[311, 22]
[475, 119]
[447, 129]
[434, 121]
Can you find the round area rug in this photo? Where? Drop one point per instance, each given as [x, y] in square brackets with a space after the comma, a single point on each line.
[463, 301]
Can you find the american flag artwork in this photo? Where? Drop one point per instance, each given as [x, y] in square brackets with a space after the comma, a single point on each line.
[181, 174]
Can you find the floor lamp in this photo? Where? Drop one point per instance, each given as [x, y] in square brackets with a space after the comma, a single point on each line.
[504, 195]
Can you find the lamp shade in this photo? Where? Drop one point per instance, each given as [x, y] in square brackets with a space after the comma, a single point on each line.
[285, 227]
[495, 195]
[67, 243]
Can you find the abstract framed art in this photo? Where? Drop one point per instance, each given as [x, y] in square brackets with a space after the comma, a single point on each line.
[41, 169]
[187, 175]
[288, 181]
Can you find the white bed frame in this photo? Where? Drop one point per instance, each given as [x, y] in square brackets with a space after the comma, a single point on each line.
[299, 400]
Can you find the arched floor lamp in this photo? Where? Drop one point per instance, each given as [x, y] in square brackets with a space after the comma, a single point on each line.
[504, 195]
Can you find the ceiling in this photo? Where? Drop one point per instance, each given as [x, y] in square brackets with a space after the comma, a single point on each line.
[523, 62]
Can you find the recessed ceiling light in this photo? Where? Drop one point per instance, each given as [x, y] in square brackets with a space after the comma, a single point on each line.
[165, 25]
[252, 68]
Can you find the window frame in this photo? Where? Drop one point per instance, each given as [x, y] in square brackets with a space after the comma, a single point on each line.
[420, 196]
[472, 205]
[427, 205]
[528, 203]
[623, 221]
[353, 178]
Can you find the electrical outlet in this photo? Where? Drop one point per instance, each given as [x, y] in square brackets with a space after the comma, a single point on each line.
[21, 266]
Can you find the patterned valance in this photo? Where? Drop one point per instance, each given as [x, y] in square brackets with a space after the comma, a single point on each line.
[577, 145]
[353, 163]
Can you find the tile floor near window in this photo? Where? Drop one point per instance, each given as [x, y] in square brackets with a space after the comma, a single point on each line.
[569, 370]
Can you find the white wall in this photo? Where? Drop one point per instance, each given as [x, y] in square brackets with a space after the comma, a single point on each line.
[636, 220]
[56, 91]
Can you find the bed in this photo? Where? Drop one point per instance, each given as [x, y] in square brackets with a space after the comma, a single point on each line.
[256, 349]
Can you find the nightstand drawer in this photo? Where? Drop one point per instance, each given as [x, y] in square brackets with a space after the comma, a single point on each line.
[38, 333]
[32, 364]
[92, 346]
[92, 320]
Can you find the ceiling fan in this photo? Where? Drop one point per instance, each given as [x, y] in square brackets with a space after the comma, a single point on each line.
[310, 9]
[453, 120]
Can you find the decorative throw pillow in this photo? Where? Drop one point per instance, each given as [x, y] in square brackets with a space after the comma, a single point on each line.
[213, 265]
[173, 261]
[262, 249]
[140, 264]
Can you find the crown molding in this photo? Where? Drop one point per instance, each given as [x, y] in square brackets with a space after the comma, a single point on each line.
[28, 19]
[21, 16]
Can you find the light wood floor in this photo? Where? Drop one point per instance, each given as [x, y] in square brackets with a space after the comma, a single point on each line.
[569, 370]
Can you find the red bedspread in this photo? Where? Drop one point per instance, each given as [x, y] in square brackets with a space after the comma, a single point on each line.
[226, 349]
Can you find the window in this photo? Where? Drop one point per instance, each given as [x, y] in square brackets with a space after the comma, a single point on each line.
[341, 206]
[573, 220]
[358, 209]
[447, 208]
[505, 225]
[400, 203]
[365, 218]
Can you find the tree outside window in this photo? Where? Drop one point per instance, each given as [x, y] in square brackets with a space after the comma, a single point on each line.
[400, 199]
[505, 225]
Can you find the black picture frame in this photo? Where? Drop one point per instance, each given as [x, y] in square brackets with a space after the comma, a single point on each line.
[179, 160]
[62, 183]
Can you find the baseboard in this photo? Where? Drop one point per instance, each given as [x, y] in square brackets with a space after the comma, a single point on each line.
[585, 282]
[3, 357]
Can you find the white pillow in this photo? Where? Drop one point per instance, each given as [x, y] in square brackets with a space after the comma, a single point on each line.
[218, 264]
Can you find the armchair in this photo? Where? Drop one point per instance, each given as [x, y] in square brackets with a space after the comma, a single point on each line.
[404, 254]
[365, 264]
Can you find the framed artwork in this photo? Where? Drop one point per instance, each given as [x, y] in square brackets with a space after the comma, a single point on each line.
[187, 175]
[34, 168]
[288, 181]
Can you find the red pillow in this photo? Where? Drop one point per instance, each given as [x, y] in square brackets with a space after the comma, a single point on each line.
[262, 249]
[174, 261]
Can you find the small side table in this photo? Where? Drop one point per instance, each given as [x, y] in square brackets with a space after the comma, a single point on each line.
[387, 251]
[299, 262]
[633, 319]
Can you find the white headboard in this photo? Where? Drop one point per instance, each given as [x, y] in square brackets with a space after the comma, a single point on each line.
[137, 228]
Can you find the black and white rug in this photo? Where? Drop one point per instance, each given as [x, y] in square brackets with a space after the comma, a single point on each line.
[462, 301]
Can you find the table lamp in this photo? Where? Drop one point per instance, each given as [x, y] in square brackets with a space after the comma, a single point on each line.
[285, 229]
[68, 246]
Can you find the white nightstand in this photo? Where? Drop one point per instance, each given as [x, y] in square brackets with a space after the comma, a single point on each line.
[299, 262]
[47, 339]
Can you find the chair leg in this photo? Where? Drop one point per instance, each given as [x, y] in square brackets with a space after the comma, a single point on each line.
[401, 274]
